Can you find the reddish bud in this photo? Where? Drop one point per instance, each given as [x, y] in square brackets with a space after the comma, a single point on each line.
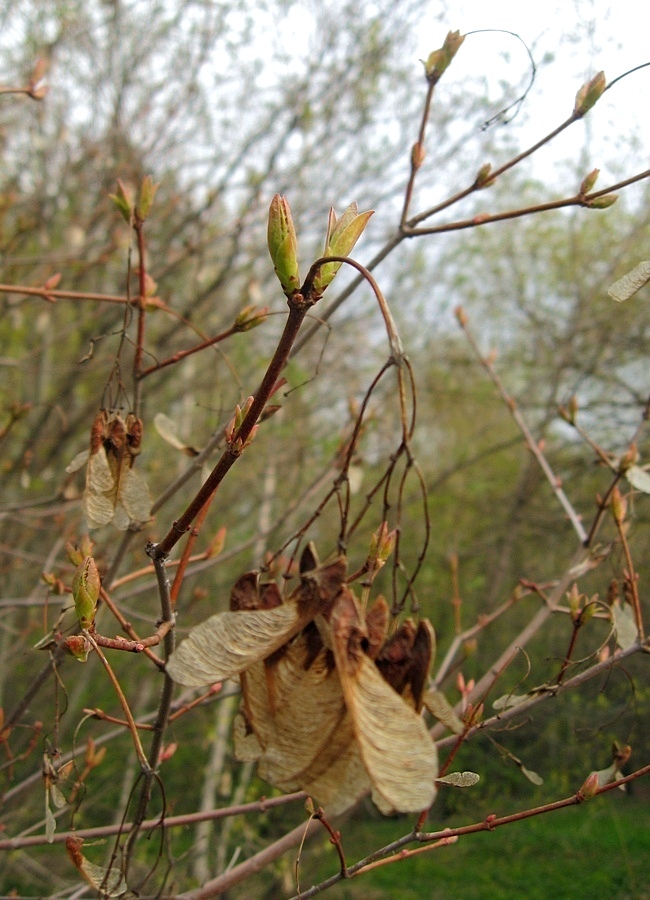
[589, 787]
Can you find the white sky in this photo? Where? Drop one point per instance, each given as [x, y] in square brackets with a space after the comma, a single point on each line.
[584, 37]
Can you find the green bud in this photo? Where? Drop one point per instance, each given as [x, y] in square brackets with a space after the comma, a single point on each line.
[589, 181]
[382, 544]
[85, 592]
[483, 178]
[602, 202]
[589, 611]
[438, 62]
[619, 506]
[250, 317]
[575, 599]
[123, 200]
[145, 201]
[283, 245]
[589, 94]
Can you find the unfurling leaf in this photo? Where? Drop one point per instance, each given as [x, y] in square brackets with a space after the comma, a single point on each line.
[148, 190]
[509, 700]
[639, 478]
[123, 199]
[459, 779]
[342, 235]
[438, 61]
[531, 776]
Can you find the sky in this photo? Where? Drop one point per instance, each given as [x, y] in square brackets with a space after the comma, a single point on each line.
[570, 41]
[584, 37]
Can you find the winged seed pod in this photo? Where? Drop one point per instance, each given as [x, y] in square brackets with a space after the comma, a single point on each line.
[115, 492]
[229, 643]
[283, 244]
[329, 705]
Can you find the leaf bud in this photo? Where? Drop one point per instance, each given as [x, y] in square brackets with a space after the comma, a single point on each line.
[589, 610]
[148, 190]
[589, 94]
[283, 244]
[123, 199]
[619, 506]
[589, 787]
[438, 61]
[78, 645]
[417, 155]
[250, 317]
[382, 544]
[85, 592]
[483, 178]
[589, 181]
[55, 584]
[603, 202]
[629, 459]
[461, 315]
[575, 598]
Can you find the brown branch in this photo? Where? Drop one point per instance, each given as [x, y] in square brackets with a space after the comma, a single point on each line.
[298, 309]
[541, 695]
[490, 823]
[257, 806]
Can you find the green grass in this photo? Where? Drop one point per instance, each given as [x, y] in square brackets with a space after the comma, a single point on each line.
[599, 850]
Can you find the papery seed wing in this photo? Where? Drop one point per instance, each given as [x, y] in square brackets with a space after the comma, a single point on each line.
[394, 744]
[99, 496]
[246, 745]
[337, 778]
[231, 642]
[306, 707]
[134, 495]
